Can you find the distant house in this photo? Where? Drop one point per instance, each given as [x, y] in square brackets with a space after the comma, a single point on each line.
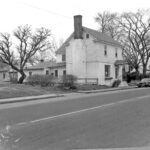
[43, 68]
[8, 74]
[47, 68]
[4, 74]
[90, 54]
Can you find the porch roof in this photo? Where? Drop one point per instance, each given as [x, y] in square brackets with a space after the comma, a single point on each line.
[119, 62]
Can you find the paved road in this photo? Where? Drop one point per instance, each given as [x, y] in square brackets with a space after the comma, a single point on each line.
[108, 120]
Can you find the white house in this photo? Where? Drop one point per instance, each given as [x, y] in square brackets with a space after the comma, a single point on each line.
[91, 55]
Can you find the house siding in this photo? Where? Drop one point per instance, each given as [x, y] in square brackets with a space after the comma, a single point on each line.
[6, 76]
[85, 59]
[75, 58]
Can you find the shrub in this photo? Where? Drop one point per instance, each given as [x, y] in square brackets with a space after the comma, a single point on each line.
[42, 80]
[116, 83]
[69, 81]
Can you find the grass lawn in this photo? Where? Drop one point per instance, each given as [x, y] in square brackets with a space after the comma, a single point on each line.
[9, 90]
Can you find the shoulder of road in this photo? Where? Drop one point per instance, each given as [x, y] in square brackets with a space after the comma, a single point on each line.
[39, 97]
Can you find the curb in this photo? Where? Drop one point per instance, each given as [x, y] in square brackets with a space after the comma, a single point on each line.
[31, 98]
[128, 148]
[107, 90]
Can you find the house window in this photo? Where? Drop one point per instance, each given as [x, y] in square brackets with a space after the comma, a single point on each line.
[64, 72]
[64, 57]
[116, 53]
[56, 73]
[30, 73]
[107, 71]
[87, 36]
[47, 72]
[4, 75]
[105, 50]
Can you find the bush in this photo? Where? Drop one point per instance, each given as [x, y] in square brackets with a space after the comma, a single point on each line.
[116, 83]
[42, 80]
[69, 81]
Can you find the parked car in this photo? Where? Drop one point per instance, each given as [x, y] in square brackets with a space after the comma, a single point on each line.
[145, 82]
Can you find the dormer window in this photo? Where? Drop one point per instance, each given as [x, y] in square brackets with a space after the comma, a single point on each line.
[87, 36]
[105, 50]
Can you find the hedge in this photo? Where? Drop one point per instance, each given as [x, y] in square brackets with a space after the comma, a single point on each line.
[42, 80]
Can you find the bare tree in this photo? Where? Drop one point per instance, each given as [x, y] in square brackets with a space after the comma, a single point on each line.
[46, 55]
[108, 24]
[131, 55]
[137, 40]
[28, 44]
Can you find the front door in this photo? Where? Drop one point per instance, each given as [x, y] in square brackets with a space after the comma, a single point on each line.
[116, 72]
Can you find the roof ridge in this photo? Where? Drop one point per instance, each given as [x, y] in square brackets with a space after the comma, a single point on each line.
[102, 36]
[99, 36]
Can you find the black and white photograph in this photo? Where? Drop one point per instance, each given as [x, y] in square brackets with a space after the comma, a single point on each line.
[74, 75]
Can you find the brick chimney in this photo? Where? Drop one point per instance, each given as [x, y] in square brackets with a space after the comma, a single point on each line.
[78, 31]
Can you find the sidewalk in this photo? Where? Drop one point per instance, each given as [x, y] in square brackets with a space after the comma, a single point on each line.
[29, 98]
[109, 89]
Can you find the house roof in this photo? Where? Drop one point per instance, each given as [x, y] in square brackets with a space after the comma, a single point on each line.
[56, 65]
[5, 69]
[99, 37]
[46, 64]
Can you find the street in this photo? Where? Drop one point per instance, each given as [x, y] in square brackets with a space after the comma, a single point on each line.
[78, 121]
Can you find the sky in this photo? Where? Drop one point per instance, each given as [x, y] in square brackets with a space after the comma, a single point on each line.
[57, 15]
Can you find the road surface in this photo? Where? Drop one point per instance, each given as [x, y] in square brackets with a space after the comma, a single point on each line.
[78, 121]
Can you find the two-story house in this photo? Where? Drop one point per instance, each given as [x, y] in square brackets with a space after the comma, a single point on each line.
[90, 54]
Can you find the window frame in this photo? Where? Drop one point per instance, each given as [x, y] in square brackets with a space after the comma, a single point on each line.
[63, 57]
[4, 75]
[116, 52]
[47, 72]
[64, 72]
[105, 50]
[87, 36]
[56, 73]
[107, 71]
[30, 73]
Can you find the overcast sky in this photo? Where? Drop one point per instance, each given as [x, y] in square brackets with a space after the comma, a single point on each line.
[57, 15]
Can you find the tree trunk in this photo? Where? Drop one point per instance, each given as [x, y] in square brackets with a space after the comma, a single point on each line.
[144, 71]
[23, 76]
[137, 70]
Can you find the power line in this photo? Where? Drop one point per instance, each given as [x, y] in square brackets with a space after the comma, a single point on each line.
[45, 10]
